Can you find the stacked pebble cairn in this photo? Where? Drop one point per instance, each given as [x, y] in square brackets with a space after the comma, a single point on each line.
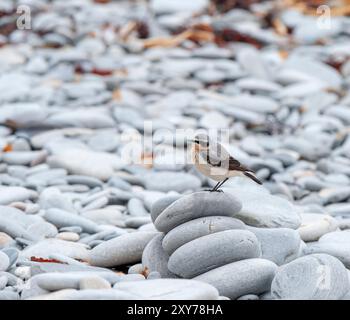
[203, 237]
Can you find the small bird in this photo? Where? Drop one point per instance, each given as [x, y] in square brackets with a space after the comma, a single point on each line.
[214, 161]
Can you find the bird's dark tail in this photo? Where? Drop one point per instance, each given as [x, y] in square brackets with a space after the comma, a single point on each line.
[251, 176]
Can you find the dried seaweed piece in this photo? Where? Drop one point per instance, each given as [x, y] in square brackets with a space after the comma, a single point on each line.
[39, 259]
[127, 30]
[167, 41]
[229, 35]
[337, 63]
[142, 29]
[145, 272]
[8, 27]
[7, 148]
[227, 5]
[102, 72]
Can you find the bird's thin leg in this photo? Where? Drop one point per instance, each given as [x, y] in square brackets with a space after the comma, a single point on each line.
[222, 182]
[216, 186]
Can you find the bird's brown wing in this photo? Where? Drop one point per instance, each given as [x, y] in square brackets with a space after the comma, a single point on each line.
[233, 164]
[236, 165]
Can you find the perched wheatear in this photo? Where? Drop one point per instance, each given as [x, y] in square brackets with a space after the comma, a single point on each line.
[213, 160]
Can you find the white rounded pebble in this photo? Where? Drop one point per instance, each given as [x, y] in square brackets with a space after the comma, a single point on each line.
[94, 282]
[68, 236]
[314, 226]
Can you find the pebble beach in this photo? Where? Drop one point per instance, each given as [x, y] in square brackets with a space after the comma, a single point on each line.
[98, 197]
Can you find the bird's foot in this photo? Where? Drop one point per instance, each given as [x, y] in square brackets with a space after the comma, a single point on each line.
[216, 190]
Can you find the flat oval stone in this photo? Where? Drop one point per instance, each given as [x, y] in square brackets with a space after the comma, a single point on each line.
[255, 103]
[24, 157]
[256, 84]
[61, 218]
[169, 289]
[92, 119]
[106, 215]
[124, 249]
[100, 165]
[313, 277]
[136, 222]
[14, 194]
[212, 251]
[160, 204]
[260, 209]
[44, 248]
[279, 245]
[250, 276]
[335, 195]
[312, 67]
[85, 180]
[197, 228]
[154, 258]
[196, 205]
[166, 181]
[136, 208]
[53, 281]
[119, 183]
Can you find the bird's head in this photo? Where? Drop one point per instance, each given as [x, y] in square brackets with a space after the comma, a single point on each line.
[200, 142]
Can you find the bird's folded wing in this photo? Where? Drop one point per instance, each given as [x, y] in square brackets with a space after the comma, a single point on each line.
[236, 165]
[221, 158]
